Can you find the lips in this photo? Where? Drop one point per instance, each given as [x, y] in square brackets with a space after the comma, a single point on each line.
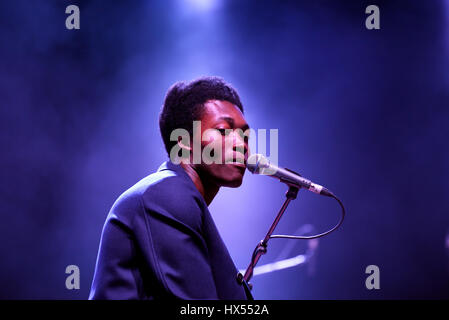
[240, 167]
[237, 159]
[237, 164]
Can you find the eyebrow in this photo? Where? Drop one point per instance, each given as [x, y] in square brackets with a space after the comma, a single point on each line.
[231, 123]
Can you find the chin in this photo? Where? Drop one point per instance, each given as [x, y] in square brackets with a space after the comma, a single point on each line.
[235, 183]
[227, 176]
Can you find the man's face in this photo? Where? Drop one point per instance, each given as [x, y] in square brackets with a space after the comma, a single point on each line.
[223, 116]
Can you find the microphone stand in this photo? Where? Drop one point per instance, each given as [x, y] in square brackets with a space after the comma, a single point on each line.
[261, 248]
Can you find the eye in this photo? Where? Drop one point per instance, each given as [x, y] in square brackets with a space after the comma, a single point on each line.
[244, 136]
[223, 132]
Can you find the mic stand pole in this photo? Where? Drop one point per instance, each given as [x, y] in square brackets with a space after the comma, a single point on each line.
[261, 248]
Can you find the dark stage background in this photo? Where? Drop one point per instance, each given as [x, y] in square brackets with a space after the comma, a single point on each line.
[364, 112]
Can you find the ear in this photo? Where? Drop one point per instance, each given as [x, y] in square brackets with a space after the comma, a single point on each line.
[182, 145]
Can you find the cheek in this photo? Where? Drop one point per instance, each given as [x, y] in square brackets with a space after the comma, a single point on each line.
[211, 135]
[214, 141]
[228, 148]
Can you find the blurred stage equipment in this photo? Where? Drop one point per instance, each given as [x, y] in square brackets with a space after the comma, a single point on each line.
[259, 164]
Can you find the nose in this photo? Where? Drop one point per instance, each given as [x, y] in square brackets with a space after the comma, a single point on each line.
[240, 144]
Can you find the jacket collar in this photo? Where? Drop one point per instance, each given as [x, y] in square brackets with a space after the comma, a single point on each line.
[168, 165]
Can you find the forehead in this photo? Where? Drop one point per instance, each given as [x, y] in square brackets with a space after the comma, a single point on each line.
[214, 110]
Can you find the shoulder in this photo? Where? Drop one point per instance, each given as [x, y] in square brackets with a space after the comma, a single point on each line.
[167, 193]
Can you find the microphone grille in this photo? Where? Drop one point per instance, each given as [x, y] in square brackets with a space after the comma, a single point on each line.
[256, 162]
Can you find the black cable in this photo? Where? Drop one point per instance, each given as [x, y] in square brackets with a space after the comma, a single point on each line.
[320, 234]
[263, 246]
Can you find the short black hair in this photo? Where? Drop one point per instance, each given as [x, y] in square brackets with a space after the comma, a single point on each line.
[184, 104]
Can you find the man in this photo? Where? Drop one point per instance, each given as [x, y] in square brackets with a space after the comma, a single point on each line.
[159, 239]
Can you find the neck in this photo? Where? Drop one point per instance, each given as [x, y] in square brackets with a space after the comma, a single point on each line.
[207, 189]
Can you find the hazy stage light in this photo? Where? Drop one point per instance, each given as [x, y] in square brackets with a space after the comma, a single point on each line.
[202, 5]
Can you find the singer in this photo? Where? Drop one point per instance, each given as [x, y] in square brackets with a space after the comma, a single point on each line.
[159, 240]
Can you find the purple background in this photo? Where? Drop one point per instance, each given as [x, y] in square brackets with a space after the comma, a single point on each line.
[364, 112]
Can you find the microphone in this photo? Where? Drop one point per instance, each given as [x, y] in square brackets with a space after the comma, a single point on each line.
[259, 164]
